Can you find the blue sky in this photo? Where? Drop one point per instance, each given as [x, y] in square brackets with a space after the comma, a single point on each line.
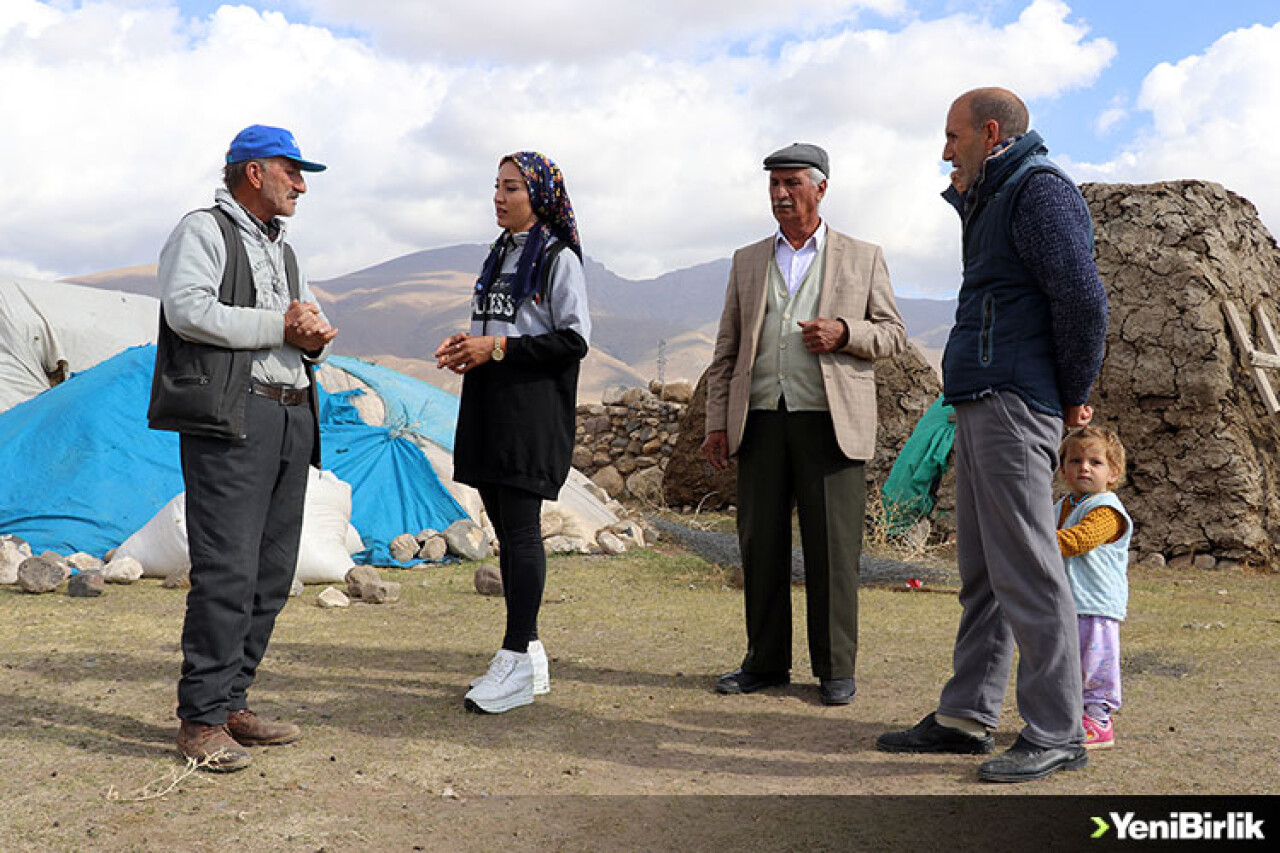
[117, 112]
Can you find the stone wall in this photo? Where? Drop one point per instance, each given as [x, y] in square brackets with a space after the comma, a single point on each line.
[624, 442]
[905, 387]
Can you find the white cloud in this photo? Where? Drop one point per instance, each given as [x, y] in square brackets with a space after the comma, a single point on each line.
[1116, 111]
[126, 109]
[1212, 116]
[506, 33]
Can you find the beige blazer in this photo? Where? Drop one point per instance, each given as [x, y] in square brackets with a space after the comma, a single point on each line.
[855, 289]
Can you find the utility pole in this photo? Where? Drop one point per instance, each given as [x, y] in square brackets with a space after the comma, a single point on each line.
[662, 362]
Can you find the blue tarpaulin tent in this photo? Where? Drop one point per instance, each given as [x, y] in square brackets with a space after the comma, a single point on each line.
[80, 470]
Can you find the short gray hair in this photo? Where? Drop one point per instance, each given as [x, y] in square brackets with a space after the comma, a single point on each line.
[233, 173]
[816, 176]
[1001, 106]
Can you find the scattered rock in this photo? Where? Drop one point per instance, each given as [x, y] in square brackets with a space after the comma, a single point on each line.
[123, 570]
[609, 481]
[178, 579]
[82, 562]
[488, 580]
[1154, 560]
[60, 561]
[433, 548]
[13, 550]
[404, 547]
[1205, 562]
[86, 584]
[40, 574]
[382, 592]
[295, 588]
[359, 577]
[1181, 562]
[332, 597]
[646, 485]
[610, 543]
[467, 540]
[566, 545]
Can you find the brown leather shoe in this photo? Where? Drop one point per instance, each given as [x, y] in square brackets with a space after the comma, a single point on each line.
[251, 730]
[212, 747]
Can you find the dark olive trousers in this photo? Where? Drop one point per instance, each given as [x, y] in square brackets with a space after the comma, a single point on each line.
[792, 459]
[244, 521]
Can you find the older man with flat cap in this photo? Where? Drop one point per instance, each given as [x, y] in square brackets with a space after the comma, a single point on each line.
[791, 393]
[239, 334]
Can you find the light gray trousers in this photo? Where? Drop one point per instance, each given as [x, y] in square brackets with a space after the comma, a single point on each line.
[1014, 587]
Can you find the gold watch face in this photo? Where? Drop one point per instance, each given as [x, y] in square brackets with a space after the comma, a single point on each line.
[498, 352]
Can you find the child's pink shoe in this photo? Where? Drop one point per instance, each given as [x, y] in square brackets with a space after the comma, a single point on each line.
[1098, 735]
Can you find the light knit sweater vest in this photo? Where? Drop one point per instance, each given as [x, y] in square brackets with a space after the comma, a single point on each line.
[783, 367]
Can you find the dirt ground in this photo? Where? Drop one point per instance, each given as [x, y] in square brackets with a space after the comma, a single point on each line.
[631, 750]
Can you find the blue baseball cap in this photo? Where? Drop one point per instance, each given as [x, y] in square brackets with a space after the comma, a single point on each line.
[259, 141]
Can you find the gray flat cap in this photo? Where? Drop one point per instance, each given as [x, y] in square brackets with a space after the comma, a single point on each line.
[799, 155]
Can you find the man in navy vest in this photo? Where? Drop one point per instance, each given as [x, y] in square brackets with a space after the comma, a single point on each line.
[1025, 350]
[239, 334]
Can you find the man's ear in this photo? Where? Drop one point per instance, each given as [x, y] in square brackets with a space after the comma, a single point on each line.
[249, 174]
[991, 134]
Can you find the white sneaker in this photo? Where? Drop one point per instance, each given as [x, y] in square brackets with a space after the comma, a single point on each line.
[541, 672]
[508, 684]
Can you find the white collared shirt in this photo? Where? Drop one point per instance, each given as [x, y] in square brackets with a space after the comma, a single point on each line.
[794, 263]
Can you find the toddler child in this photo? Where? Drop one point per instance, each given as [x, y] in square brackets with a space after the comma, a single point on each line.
[1093, 533]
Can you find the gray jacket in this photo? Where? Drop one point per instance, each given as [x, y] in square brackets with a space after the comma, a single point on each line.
[217, 332]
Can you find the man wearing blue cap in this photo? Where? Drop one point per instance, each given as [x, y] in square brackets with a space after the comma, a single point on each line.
[239, 335]
[791, 393]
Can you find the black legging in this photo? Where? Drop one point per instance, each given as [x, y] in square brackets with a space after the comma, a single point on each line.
[517, 519]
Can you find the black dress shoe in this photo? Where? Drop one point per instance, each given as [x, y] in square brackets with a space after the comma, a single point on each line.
[1024, 761]
[929, 735]
[740, 681]
[838, 691]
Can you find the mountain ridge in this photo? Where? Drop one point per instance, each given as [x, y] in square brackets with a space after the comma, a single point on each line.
[396, 311]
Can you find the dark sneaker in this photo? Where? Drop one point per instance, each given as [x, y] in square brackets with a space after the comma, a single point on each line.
[211, 747]
[837, 691]
[929, 735]
[251, 730]
[740, 681]
[1024, 761]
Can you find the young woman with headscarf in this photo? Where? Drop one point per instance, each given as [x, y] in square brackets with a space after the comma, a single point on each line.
[516, 423]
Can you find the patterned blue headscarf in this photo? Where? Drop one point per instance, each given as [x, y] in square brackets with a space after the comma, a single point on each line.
[550, 202]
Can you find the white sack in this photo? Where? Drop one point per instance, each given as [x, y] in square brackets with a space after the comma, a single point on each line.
[323, 556]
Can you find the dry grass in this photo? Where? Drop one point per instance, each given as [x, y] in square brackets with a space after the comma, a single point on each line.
[390, 761]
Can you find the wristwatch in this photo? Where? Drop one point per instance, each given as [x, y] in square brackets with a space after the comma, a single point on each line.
[498, 352]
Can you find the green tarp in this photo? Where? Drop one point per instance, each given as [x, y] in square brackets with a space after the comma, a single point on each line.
[909, 491]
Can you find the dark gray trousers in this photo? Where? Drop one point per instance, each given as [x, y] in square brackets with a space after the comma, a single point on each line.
[793, 459]
[1014, 587]
[244, 521]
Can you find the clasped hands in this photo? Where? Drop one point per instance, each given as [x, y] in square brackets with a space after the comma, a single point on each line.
[306, 328]
[462, 352]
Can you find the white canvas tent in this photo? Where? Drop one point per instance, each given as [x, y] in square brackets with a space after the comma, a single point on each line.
[51, 330]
